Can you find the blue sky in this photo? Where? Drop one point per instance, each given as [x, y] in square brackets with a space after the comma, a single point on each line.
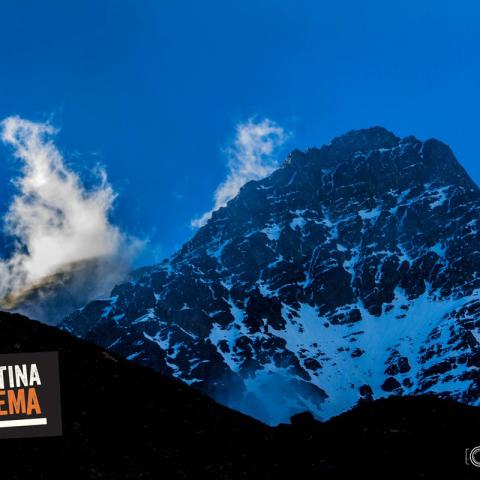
[154, 89]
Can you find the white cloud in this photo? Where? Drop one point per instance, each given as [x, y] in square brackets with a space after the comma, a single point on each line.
[250, 157]
[58, 224]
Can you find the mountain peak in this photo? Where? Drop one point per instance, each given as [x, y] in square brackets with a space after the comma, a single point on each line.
[349, 273]
[377, 157]
[366, 139]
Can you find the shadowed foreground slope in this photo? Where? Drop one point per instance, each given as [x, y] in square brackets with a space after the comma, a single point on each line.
[121, 420]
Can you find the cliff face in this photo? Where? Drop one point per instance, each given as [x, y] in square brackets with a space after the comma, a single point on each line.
[351, 272]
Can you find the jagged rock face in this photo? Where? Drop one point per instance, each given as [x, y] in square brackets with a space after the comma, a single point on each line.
[352, 272]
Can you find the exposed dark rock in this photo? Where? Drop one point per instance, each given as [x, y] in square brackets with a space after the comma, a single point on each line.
[390, 384]
[366, 392]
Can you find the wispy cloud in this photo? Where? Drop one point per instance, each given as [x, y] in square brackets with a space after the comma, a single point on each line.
[59, 225]
[250, 157]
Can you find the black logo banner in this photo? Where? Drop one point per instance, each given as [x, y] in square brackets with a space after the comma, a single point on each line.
[29, 395]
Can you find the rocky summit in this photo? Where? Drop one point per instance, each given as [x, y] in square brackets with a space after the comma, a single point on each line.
[350, 273]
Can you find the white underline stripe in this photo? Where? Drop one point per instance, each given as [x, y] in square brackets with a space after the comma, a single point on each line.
[23, 423]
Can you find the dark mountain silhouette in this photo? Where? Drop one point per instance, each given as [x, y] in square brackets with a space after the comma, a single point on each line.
[123, 421]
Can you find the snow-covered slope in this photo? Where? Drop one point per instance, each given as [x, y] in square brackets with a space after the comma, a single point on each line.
[351, 272]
